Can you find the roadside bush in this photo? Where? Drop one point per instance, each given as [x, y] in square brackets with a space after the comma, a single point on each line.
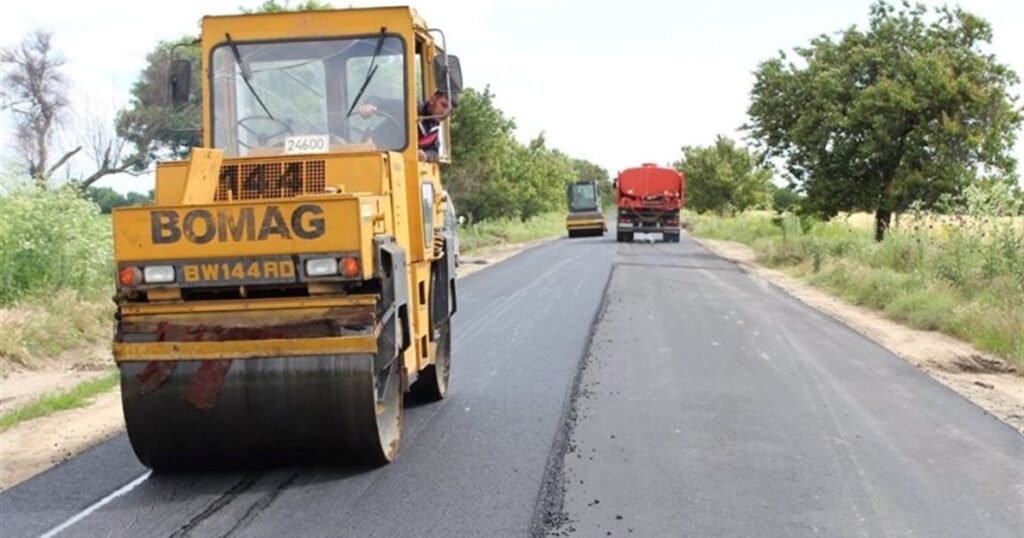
[53, 240]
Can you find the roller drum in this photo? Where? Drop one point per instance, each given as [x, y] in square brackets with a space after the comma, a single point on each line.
[267, 411]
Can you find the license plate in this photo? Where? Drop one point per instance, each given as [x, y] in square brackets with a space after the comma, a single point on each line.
[237, 271]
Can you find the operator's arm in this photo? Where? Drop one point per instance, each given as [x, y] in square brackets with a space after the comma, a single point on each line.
[391, 107]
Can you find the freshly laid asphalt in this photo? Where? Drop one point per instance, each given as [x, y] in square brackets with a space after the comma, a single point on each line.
[610, 389]
[713, 404]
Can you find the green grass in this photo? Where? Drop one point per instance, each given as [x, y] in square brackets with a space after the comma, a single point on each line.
[510, 231]
[42, 327]
[965, 279]
[78, 396]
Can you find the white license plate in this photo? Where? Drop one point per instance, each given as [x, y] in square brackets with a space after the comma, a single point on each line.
[307, 144]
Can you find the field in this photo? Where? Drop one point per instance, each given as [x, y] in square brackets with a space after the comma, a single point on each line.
[961, 275]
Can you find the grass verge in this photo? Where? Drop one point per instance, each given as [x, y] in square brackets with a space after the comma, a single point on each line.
[491, 233]
[43, 327]
[958, 278]
[78, 396]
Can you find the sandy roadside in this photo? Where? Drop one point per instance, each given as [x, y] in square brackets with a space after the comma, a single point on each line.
[39, 444]
[980, 377]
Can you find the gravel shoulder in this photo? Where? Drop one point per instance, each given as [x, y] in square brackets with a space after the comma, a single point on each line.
[985, 379]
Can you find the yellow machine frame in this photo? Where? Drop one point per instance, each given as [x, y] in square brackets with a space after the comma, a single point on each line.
[367, 193]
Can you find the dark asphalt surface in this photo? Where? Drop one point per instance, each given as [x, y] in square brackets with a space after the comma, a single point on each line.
[470, 465]
[713, 404]
[710, 405]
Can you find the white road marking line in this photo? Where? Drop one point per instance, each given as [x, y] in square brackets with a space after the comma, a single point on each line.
[96, 506]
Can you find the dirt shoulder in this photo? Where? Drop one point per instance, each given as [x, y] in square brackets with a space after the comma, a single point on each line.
[36, 445]
[982, 378]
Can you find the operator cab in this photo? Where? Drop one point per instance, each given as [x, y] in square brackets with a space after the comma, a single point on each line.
[302, 95]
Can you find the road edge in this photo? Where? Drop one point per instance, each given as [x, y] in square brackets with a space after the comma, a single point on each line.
[549, 508]
[957, 382]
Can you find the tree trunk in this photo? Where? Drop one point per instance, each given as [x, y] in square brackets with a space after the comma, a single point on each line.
[882, 219]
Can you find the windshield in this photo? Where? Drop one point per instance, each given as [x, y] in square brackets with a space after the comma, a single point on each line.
[582, 196]
[298, 95]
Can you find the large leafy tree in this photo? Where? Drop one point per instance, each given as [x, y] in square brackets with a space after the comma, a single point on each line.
[151, 123]
[724, 177]
[905, 110]
[483, 151]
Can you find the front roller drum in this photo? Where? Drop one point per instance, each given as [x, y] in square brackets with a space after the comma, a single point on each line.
[270, 411]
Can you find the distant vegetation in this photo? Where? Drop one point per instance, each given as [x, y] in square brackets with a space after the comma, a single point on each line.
[496, 177]
[494, 232]
[885, 118]
[107, 199]
[961, 273]
[724, 178]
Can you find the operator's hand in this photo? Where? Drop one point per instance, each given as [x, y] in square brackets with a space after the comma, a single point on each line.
[422, 155]
[367, 110]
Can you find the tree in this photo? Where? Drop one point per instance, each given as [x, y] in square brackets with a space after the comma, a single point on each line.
[108, 151]
[904, 111]
[543, 178]
[724, 177]
[35, 91]
[108, 198]
[784, 199]
[151, 123]
[483, 153]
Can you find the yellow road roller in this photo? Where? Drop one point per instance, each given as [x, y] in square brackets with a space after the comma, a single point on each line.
[293, 280]
[584, 217]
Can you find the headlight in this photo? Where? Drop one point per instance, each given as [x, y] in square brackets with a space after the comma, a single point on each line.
[321, 267]
[158, 274]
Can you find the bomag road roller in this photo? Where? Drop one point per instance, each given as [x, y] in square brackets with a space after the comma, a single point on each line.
[293, 279]
[584, 217]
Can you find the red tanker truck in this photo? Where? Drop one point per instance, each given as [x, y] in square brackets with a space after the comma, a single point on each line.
[649, 199]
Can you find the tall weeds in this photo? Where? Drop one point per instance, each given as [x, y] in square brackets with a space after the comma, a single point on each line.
[961, 273]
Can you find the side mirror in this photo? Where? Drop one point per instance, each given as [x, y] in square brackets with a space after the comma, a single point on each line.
[180, 79]
[452, 74]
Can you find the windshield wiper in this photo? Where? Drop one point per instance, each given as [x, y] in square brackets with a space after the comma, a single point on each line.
[246, 74]
[372, 70]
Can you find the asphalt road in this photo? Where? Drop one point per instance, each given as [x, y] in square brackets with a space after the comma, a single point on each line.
[602, 388]
[713, 404]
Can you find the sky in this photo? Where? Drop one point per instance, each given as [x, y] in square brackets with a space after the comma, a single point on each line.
[618, 83]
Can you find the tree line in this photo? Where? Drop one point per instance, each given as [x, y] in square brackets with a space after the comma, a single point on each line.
[908, 112]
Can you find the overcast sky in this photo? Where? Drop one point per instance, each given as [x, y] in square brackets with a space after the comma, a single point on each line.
[616, 83]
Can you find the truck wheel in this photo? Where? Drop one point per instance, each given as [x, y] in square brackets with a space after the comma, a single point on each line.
[671, 237]
[432, 384]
